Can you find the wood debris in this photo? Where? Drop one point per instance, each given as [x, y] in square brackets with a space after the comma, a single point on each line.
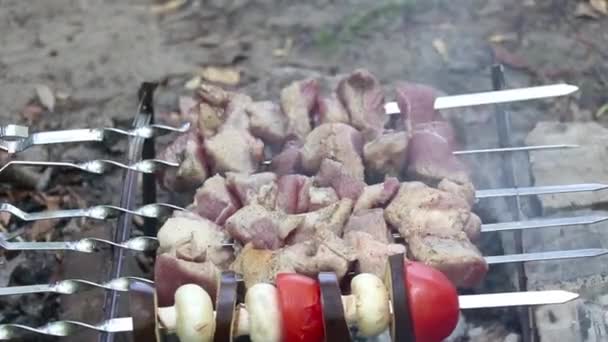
[441, 48]
[223, 75]
[600, 6]
[167, 7]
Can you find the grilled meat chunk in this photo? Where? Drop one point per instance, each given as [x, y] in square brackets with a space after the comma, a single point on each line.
[297, 101]
[293, 195]
[262, 227]
[331, 218]
[193, 238]
[430, 157]
[369, 221]
[377, 195]
[171, 272]
[259, 188]
[334, 174]
[433, 223]
[326, 252]
[321, 197]
[387, 154]
[331, 110]
[363, 98]
[335, 141]
[267, 122]
[214, 201]
[234, 149]
[187, 151]
[289, 160]
[371, 253]
[417, 103]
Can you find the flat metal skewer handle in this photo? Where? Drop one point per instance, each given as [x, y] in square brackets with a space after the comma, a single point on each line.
[14, 138]
[99, 212]
[540, 190]
[100, 166]
[71, 286]
[86, 245]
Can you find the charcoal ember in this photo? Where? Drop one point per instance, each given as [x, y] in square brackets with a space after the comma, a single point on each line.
[193, 238]
[267, 122]
[335, 141]
[387, 154]
[234, 149]
[187, 151]
[326, 252]
[417, 103]
[331, 110]
[331, 218]
[430, 155]
[335, 175]
[434, 224]
[289, 160]
[363, 98]
[377, 195]
[320, 197]
[214, 201]
[293, 195]
[171, 272]
[371, 253]
[369, 221]
[259, 188]
[297, 101]
[262, 227]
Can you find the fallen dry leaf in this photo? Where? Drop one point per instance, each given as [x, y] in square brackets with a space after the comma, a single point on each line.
[46, 96]
[168, 6]
[509, 58]
[602, 111]
[193, 83]
[8, 266]
[224, 75]
[441, 48]
[284, 51]
[5, 218]
[600, 6]
[44, 229]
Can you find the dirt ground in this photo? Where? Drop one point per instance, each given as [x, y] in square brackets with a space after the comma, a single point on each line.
[93, 54]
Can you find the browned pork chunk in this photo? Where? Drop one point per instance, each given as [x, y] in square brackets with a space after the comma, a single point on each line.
[171, 272]
[335, 175]
[187, 151]
[258, 188]
[262, 227]
[325, 253]
[371, 253]
[321, 197]
[214, 200]
[370, 221]
[335, 141]
[433, 223]
[297, 102]
[387, 154]
[363, 98]
[234, 149]
[267, 122]
[430, 155]
[377, 195]
[331, 110]
[331, 218]
[289, 160]
[193, 238]
[293, 196]
[417, 103]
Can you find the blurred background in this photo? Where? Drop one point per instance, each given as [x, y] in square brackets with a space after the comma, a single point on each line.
[78, 63]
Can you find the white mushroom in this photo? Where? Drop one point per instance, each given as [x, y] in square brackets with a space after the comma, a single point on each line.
[262, 302]
[195, 319]
[368, 306]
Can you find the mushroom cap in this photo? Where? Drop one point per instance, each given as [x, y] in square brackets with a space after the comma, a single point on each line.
[372, 304]
[195, 317]
[262, 302]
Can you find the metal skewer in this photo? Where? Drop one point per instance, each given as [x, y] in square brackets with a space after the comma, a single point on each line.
[100, 166]
[71, 286]
[494, 97]
[543, 223]
[14, 138]
[466, 302]
[86, 245]
[98, 212]
[540, 190]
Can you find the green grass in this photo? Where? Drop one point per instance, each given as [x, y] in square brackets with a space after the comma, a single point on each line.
[350, 28]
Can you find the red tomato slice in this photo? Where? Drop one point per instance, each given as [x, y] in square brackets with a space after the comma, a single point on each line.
[433, 302]
[300, 305]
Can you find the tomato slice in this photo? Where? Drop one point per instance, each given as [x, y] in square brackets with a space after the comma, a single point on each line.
[433, 302]
[300, 305]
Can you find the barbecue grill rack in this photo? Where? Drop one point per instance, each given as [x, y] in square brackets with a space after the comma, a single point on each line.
[15, 138]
